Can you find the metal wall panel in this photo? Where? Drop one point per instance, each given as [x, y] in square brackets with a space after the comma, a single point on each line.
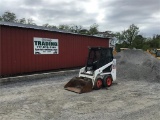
[18, 52]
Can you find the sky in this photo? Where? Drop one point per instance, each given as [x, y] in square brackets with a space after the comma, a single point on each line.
[110, 15]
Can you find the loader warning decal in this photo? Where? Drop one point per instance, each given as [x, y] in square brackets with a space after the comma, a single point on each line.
[45, 46]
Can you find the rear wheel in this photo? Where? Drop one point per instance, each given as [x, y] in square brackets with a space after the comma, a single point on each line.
[98, 84]
[107, 82]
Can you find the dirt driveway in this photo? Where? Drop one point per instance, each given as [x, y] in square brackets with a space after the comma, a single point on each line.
[46, 99]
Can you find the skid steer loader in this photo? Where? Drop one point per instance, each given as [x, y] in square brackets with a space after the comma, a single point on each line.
[100, 71]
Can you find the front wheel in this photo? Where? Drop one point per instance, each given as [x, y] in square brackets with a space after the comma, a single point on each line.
[107, 81]
[98, 84]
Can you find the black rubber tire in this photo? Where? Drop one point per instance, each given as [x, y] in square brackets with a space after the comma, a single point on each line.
[107, 81]
[98, 84]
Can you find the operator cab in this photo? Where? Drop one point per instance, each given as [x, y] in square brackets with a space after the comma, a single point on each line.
[97, 58]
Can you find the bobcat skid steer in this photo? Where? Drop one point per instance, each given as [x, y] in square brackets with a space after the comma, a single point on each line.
[100, 71]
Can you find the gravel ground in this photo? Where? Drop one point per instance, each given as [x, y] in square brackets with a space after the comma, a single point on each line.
[46, 99]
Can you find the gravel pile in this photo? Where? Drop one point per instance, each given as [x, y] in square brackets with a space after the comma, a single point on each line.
[137, 65]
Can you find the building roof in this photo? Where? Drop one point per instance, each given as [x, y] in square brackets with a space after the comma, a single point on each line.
[40, 28]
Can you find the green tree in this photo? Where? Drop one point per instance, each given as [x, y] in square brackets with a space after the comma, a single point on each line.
[0, 18]
[75, 28]
[93, 29]
[9, 17]
[138, 42]
[128, 35]
[22, 20]
[64, 27]
[49, 26]
[145, 47]
[122, 45]
[155, 42]
[84, 32]
[30, 21]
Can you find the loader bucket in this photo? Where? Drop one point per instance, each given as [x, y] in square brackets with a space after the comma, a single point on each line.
[79, 85]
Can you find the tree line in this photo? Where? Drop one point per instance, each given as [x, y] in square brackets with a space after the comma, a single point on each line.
[11, 17]
[129, 38]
